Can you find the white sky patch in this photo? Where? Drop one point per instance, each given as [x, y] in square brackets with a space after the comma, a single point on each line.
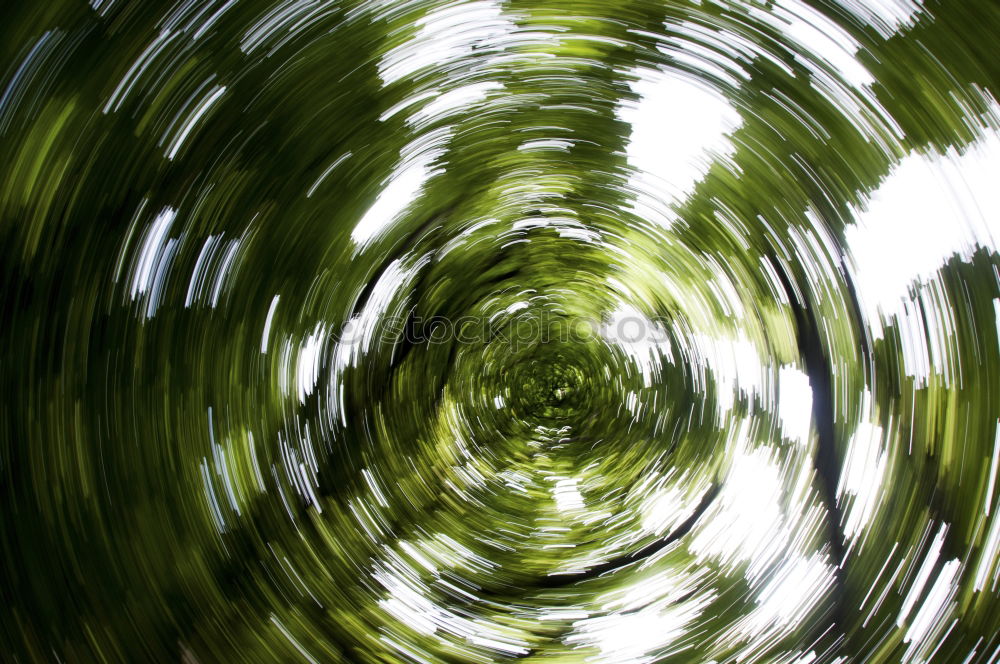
[566, 493]
[447, 103]
[862, 476]
[991, 482]
[409, 600]
[195, 17]
[567, 227]
[646, 616]
[629, 638]
[725, 292]
[668, 501]
[929, 626]
[746, 523]
[270, 23]
[223, 472]
[444, 35]
[678, 126]
[795, 401]
[208, 486]
[664, 510]
[359, 332]
[402, 188]
[706, 61]
[711, 51]
[417, 98]
[885, 16]
[987, 570]
[830, 54]
[789, 595]
[927, 333]
[301, 469]
[990, 550]
[515, 307]
[923, 575]
[642, 340]
[735, 364]
[928, 209]
[577, 231]
[408, 605]
[822, 39]
[185, 130]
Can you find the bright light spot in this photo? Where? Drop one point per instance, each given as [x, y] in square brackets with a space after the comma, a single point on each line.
[746, 523]
[930, 208]
[566, 493]
[446, 34]
[735, 363]
[929, 625]
[862, 476]
[678, 127]
[823, 39]
[646, 343]
[449, 102]
[795, 401]
[663, 508]
[924, 573]
[790, 594]
[885, 16]
[403, 187]
[628, 638]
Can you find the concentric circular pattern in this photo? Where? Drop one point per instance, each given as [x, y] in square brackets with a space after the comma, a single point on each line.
[614, 331]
